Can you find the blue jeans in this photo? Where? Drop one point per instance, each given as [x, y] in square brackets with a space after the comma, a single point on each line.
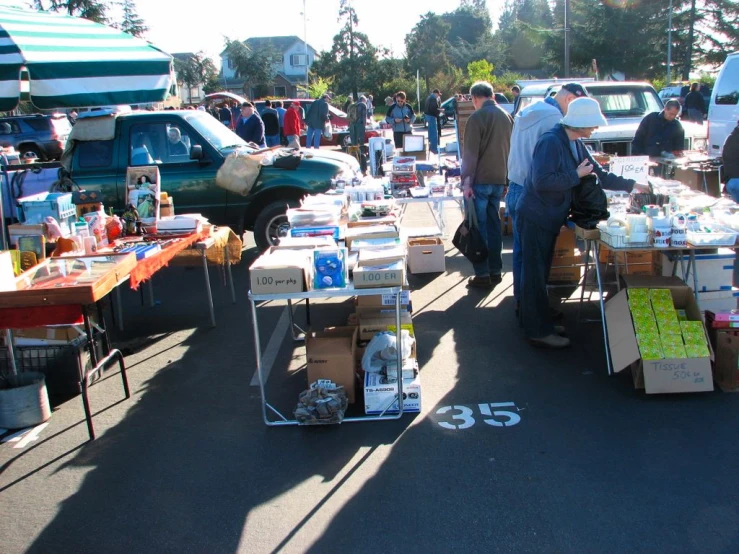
[732, 187]
[487, 207]
[511, 205]
[314, 137]
[273, 140]
[433, 134]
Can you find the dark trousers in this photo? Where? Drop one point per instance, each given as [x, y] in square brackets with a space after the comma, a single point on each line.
[398, 137]
[487, 208]
[357, 133]
[537, 247]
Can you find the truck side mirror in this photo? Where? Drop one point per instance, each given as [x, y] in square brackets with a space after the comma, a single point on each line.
[196, 152]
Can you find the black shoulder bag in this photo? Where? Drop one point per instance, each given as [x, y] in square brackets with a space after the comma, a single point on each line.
[468, 239]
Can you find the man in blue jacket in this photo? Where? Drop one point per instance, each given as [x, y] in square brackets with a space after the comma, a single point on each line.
[250, 126]
[400, 115]
[316, 119]
[660, 132]
[560, 160]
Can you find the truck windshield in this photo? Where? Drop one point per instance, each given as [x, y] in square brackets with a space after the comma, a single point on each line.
[215, 132]
[625, 101]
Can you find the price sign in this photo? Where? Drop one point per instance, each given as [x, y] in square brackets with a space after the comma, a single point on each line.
[631, 167]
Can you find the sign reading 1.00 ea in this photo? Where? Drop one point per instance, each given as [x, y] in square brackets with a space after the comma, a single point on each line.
[631, 167]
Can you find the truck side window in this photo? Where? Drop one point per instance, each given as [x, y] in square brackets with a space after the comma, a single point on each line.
[96, 153]
[727, 88]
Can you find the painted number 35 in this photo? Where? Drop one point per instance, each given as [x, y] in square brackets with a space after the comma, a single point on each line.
[463, 417]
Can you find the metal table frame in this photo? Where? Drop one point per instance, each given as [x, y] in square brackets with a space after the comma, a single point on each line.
[594, 246]
[435, 205]
[313, 295]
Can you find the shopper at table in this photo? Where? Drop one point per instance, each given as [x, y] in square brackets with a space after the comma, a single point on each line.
[487, 141]
[694, 107]
[560, 160]
[529, 124]
[660, 132]
[400, 115]
[431, 113]
[293, 124]
[730, 170]
[316, 118]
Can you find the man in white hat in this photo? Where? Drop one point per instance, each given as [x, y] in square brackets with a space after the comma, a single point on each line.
[560, 160]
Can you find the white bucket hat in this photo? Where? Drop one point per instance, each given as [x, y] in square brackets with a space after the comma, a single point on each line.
[584, 112]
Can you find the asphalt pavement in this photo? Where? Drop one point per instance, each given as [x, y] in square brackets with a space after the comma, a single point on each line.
[580, 462]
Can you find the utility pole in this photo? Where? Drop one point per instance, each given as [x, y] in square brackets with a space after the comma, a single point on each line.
[305, 39]
[669, 46]
[567, 38]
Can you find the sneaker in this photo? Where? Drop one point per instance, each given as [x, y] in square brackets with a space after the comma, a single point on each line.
[551, 341]
[479, 282]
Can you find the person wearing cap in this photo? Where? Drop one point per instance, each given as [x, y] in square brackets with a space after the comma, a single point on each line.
[316, 119]
[559, 162]
[528, 125]
[250, 126]
[293, 124]
[660, 132]
[730, 170]
[431, 112]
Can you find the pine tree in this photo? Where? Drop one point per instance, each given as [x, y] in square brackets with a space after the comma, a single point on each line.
[132, 23]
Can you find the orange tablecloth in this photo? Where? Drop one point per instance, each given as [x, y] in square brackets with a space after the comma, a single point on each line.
[149, 266]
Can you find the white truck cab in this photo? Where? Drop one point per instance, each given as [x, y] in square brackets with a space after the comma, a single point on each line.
[723, 111]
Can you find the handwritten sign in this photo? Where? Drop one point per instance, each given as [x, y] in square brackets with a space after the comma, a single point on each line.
[631, 167]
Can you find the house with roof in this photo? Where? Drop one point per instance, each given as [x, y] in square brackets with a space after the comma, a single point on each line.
[186, 93]
[292, 61]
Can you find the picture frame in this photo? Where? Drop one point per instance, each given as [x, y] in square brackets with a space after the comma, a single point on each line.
[143, 190]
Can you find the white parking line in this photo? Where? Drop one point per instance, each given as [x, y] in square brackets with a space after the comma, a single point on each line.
[273, 347]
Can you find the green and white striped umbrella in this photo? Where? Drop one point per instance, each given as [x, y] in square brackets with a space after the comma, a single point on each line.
[73, 62]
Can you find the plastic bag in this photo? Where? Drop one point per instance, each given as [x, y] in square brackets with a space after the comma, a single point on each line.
[383, 349]
[327, 131]
[239, 172]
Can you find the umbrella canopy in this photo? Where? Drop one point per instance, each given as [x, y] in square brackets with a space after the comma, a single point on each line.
[73, 62]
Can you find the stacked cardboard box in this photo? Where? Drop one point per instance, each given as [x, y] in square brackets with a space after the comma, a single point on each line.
[644, 262]
[566, 264]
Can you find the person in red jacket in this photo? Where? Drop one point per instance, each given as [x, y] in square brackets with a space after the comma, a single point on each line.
[292, 125]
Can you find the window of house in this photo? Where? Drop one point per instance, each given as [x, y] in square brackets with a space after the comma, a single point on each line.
[280, 92]
[230, 63]
[298, 60]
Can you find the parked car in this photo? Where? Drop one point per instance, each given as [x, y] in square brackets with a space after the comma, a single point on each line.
[679, 92]
[624, 104]
[140, 138]
[38, 136]
[723, 109]
[449, 107]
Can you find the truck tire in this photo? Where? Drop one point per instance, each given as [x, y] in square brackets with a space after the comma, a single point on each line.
[271, 223]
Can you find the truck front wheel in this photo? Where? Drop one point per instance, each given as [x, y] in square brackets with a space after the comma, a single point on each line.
[271, 223]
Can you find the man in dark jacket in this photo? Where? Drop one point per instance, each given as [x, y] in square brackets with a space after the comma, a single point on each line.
[224, 114]
[660, 132]
[694, 107]
[316, 119]
[250, 126]
[431, 113]
[487, 142]
[560, 160]
[730, 171]
[271, 120]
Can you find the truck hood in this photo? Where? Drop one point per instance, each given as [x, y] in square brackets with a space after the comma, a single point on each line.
[625, 128]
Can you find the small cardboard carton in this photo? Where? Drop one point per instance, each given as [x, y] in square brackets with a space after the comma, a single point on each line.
[386, 256]
[373, 300]
[389, 275]
[426, 255]
[382, 396]
[565, 269]
[726, 372]
[331, 355]
[371, 232]
[657, 376]
[566, 242]
[371, 324]
[40, 336]
[280, 272]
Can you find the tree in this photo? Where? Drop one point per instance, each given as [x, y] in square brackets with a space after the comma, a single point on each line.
[195, 70]
[132, 23]
[426, 47]
[87, 9]
[317, 87]
[481, 70]
[254, 66]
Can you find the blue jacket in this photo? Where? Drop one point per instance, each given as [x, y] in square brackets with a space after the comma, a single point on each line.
[252, 130]
[547, 192]
[396, 112]
[318, 114]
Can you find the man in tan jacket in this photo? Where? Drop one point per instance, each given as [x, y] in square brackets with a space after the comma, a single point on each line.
[487, 141]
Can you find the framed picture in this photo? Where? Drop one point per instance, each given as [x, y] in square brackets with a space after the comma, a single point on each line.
[143, 189]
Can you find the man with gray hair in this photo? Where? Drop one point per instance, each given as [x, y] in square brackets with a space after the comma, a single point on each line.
[487, 142]
[660, 132]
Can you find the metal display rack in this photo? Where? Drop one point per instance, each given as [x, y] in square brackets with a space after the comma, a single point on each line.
[316, 295]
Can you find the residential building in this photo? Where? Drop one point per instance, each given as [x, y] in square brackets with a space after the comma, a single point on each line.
[291, 66]
[187, 94]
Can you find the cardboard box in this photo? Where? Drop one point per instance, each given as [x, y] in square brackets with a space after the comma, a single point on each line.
[371, 221]
[658, 376]
[280, 272]
[47, 335]
[370, 325]
[426, 255]
[718, 300]
[384, 299]
[566, 243]
[381, 396]
[382, 257]
[392, 275]
[694, 179]
[565, 269]
[331, 355]
[715, 270]
[371, 232]
[166, 208]
[21, 230]
[726, 372]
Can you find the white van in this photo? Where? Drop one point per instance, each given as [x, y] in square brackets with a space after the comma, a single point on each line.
[723, 111]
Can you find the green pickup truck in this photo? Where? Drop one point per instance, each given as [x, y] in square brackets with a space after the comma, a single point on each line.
[189, 147]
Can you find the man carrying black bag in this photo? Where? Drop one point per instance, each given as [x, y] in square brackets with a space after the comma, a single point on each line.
[487, 140]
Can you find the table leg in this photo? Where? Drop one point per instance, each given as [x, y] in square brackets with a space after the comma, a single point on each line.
[118, 312]
[101, 320]
[616, 266]
[150, 289]
[208, 292]
[694, 268]
[11, 352]
[260, 376]
[588, 247]
[602, 307]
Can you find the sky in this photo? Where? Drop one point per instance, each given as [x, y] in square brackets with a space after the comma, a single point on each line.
[190, 27]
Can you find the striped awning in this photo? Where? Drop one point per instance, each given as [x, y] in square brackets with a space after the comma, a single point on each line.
[72, 62]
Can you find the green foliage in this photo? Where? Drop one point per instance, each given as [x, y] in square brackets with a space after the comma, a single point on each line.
[426, 47]
[481, 70]
[197, 70]
[132, 23]
[254, 66]
[87, 9]
[317, 86]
